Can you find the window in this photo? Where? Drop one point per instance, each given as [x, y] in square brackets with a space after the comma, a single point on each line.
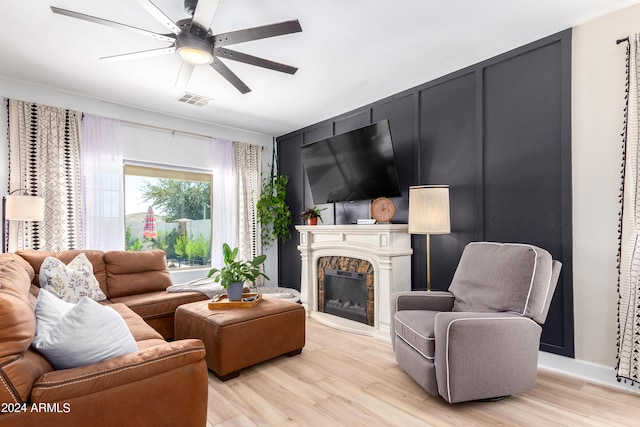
[169, 209]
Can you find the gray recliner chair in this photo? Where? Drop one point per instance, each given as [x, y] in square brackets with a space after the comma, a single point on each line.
[480, 339]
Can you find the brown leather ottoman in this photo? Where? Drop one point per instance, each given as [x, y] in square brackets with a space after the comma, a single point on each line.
[237, 338]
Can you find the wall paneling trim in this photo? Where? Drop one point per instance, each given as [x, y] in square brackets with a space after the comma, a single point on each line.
[499, 134]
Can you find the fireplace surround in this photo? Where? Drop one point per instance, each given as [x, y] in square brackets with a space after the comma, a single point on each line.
[386, 247]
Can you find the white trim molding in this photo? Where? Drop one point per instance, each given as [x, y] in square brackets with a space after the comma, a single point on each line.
[587, 371]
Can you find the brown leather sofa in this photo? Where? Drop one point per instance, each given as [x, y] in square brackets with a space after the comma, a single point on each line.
[135, 279]
[161, 384]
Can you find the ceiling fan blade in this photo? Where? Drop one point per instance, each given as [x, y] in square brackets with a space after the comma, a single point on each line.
[184, 75]
[204, 13]
[254, 60]
[256, 33]
[154, 11]
[140, 54]
[229, 75]
[165, 37]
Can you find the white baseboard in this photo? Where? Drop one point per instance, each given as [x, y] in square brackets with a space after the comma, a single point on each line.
[588, 371]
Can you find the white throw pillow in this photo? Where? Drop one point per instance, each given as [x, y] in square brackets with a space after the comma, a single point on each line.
[71, 335]
[49, 310]
[70, 282]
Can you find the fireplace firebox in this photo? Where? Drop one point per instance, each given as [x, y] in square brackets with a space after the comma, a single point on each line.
[345, 288]
[345, 294]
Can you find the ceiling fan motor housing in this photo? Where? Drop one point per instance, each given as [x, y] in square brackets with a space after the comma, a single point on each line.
[192, 45]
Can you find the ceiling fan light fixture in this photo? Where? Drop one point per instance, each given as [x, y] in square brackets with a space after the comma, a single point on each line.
[194, 51]
[195, 56]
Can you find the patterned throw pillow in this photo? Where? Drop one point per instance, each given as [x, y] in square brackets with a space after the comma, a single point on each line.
[70, 282]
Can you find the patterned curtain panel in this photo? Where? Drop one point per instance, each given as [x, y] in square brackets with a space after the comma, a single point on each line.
[629, 250]
[248, 164]
[44, 158]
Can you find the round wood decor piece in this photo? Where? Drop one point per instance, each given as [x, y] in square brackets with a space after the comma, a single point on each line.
[382, 209]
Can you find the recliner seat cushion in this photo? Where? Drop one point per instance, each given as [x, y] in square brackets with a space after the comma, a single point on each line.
[497, 277]
[158, 304]
[415, 327]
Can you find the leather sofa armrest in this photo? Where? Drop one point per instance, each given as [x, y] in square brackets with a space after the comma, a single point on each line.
[63, 385]
[483, 355]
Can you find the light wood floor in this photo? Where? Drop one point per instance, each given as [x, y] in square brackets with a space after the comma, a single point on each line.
[342, 379]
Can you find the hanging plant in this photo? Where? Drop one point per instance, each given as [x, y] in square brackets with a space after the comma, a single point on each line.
[273, 212]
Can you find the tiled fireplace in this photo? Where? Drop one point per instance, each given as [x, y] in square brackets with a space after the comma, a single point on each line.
[375, 257]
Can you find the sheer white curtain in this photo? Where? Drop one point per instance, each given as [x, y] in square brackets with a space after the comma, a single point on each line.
[224, 200]
[101, 169]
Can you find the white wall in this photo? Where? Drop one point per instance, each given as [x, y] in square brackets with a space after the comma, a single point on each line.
[141, 143]
[597, 103]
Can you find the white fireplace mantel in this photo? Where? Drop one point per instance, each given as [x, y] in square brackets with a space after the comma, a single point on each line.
[386, 246]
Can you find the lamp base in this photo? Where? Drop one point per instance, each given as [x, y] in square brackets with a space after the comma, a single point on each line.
[428, 262]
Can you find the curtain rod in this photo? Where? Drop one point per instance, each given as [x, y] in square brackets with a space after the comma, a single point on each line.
[172, 131]
[626, 39]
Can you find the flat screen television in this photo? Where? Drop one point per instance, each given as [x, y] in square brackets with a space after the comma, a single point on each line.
[356, 165]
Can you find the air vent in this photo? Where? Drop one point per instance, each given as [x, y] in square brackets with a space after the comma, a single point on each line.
[193, 99]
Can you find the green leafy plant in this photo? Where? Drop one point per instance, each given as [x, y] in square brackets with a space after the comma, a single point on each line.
[166, 242]
[272, 210]
[202, 247]
[313, 212]
[181, 245]
[237, 271]
[190, 249]
[135, 246]
[131, 243]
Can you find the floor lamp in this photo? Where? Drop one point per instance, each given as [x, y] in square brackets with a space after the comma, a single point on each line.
[20, 208]
[429, 214]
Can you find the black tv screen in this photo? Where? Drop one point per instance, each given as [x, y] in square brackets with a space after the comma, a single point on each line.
[356, 165]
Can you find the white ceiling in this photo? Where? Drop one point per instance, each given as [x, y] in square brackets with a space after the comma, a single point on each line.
[350, 53]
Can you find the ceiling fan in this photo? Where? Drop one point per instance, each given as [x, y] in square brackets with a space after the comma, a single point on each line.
[194, 42]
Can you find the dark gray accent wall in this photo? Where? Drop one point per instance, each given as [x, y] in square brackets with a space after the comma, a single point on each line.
[499, 134]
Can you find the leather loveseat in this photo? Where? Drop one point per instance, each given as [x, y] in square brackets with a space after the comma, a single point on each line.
[161, 384]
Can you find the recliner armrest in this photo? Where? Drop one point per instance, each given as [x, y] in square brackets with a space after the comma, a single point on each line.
[66, 384]
[481, 355]
[422, 300]
[418, 300]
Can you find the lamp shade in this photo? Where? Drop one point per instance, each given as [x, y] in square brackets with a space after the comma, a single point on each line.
[429, 209]
[24, 208]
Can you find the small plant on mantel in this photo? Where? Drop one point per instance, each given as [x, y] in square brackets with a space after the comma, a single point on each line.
[312, 215]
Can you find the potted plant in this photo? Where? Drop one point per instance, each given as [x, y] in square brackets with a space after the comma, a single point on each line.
[272, 210]
[235, 272]
[312, 215]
